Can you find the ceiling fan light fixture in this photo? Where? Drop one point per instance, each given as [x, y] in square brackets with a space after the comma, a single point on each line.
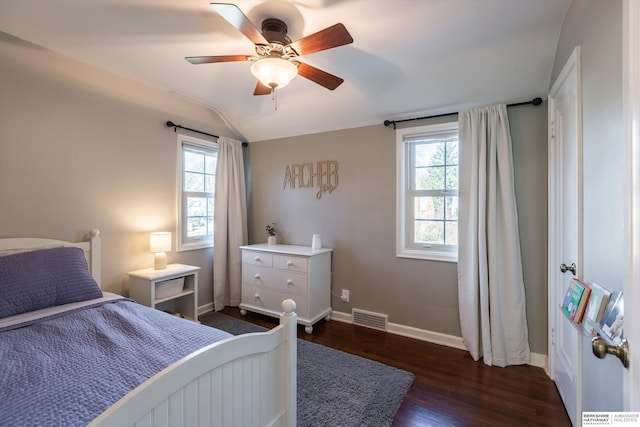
[274, 72]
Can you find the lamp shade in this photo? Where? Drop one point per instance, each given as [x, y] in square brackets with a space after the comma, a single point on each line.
[274, 72]
[160, 241]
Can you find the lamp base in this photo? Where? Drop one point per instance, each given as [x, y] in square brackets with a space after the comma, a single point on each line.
[160, 261]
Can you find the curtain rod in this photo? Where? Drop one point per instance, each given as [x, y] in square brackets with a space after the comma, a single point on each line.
[534, 101]
[170, 124]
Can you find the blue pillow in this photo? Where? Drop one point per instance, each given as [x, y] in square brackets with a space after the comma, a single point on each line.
[34, 280]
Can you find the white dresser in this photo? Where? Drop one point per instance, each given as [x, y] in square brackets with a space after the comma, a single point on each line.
[273, 273]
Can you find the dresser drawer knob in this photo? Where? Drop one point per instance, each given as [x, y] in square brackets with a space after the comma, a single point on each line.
[289, 263]
[256, 296]
[289, 282]
[256, 276]
[256, 259]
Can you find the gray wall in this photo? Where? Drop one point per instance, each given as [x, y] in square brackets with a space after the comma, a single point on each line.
[358, 221]
[597, 27]
[81, 148]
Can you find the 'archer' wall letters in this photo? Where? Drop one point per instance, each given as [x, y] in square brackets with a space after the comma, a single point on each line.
[303, 175]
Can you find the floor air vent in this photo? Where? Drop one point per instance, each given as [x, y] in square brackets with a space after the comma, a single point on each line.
[370, 319]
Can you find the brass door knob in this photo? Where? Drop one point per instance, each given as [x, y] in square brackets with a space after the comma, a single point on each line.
[600, 349]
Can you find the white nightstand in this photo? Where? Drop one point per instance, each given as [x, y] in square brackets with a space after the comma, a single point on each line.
[144, 283]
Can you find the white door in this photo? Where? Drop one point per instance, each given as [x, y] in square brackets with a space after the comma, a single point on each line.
[631, 91]
[565, 230]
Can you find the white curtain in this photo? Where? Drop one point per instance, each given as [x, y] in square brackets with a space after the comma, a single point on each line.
[490, 281]
[230, 224]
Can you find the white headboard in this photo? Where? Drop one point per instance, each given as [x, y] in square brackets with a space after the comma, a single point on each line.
[91, 248]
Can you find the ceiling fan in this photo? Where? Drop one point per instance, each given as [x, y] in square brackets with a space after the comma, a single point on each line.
[276, 62]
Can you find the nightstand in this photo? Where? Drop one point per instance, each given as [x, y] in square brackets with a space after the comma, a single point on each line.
[163, 290]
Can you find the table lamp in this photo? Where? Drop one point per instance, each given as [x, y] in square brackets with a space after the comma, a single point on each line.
[160, 243]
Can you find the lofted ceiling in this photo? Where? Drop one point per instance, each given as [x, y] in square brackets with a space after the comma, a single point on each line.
[409, 57]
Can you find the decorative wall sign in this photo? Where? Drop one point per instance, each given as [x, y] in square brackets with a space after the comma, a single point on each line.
[323, 175]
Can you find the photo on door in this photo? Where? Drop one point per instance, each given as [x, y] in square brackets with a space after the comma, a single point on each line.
[612, 323]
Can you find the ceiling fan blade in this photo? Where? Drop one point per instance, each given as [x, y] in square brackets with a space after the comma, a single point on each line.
[316, 75]
[261, 89]
[235, 17]
[220, 58]
[334, 36]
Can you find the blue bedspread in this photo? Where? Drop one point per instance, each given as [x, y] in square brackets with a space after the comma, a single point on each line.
[66, 370]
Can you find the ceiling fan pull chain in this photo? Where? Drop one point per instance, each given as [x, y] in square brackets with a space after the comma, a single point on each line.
[275, 98]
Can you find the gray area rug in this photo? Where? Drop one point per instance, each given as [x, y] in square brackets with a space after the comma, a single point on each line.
[335, 388]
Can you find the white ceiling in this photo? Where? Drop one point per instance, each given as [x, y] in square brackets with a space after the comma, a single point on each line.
[409, 57]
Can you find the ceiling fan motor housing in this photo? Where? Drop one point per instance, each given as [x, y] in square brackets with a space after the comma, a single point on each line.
[275, 31]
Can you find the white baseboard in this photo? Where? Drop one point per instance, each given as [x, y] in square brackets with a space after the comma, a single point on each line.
[410, 332]
[424, 335]
[341, 316]
[205, 308]
[538, 360]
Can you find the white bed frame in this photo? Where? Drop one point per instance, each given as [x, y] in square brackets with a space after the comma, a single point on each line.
[248, 380]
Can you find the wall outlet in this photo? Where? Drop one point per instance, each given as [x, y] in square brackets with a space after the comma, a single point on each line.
[345, 295]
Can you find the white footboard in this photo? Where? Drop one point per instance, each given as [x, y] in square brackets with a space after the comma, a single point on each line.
[248, 380]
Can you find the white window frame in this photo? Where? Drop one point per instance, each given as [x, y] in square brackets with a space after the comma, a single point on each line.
[183, 244]
[404, 249]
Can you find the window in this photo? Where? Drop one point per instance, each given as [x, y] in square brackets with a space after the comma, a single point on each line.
[427, 202]
[196, 188]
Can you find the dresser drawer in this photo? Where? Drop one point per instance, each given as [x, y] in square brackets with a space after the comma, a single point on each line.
[257, 258]
[285, 281]
[291, 263]
[269, 299]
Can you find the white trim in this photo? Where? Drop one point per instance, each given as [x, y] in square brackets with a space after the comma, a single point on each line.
[341, 316]
[631, 120]
[573, 65]
[537, 359]
[206, 308]
[429, 255]
[428, 336]
[571, 70]
[402, 135]
[180, 245]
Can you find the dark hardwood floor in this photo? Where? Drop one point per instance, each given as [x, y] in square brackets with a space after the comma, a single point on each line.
[449, 389]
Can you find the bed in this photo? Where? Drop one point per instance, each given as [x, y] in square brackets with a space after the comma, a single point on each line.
[74, 355]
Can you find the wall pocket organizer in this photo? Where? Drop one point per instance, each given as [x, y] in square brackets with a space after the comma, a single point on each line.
[597, 312]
